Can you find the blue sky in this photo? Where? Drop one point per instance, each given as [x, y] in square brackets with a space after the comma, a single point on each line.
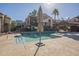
[20, 11]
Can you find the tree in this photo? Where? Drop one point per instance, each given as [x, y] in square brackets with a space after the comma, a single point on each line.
[33, 13]
[56, 14]
[13, 26]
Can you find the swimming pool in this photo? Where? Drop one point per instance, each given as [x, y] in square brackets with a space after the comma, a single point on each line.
[33, 36]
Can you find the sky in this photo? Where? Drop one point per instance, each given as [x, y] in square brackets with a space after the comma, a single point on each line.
[19, 11]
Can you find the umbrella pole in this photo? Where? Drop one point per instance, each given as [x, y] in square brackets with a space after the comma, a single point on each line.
[39, 44]
[40, 38]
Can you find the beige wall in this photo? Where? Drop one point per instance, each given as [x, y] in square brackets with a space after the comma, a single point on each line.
[4, 19]
[0, 24]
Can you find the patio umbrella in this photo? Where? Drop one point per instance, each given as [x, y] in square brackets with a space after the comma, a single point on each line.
[40, 25]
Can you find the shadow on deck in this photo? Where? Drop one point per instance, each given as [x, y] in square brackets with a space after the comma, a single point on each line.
[74, 36]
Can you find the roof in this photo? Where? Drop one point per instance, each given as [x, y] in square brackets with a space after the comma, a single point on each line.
[75, 23]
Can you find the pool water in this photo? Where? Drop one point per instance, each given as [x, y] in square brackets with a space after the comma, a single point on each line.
[33, 36]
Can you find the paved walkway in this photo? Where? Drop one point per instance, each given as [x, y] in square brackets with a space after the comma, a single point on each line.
[63, 46]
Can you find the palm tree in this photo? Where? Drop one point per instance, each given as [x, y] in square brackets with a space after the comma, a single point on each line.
[56, 14]
[30, 14]
[33, 13]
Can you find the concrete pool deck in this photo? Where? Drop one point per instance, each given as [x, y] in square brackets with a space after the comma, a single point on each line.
[62, 46]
